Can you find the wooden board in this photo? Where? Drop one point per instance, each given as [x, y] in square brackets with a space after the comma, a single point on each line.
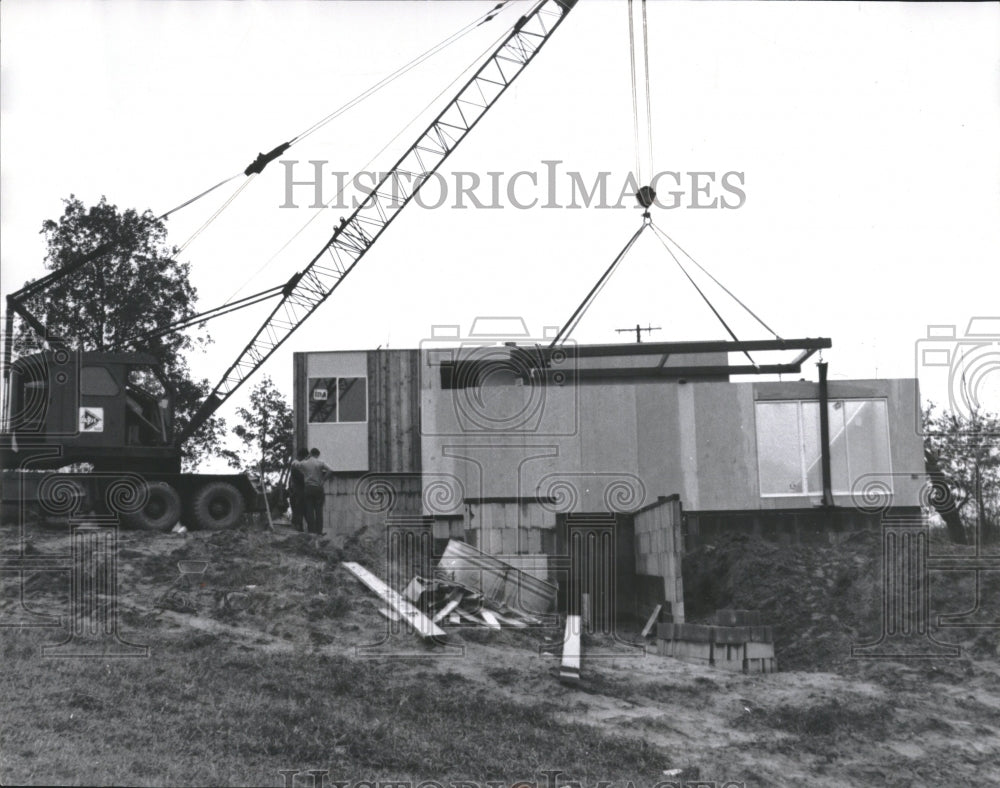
[652, 620]
[413, 590]
[511, 622]
[468, 617]
[446, 610]
[424, 626]
[490, 619]
[569, 671]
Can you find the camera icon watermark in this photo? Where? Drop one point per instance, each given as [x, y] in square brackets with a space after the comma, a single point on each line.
[966, 366]
[499, 379]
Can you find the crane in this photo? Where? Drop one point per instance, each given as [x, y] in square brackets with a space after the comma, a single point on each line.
[114, 411]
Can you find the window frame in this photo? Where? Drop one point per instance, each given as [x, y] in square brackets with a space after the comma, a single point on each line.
[106, 374]
[334, 389]
[803, 468]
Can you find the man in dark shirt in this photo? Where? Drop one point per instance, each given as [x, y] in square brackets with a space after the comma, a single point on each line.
[314, 472]
[296, 490]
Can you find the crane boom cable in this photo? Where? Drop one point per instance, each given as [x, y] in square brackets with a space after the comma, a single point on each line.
[207, 191]
[355, 235]
[203, 317]
[336, 197]
[401, 71]
[218, 212]
[396, 74]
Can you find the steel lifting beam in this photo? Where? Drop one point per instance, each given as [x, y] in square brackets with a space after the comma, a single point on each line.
[355, 235]
[711, 346]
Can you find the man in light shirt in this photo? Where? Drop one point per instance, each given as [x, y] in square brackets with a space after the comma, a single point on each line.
[314, 472]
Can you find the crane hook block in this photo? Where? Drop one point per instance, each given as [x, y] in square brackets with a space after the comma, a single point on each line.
[263, 159]
[646, 196]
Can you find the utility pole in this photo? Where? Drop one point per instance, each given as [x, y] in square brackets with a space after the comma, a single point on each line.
[638, 331]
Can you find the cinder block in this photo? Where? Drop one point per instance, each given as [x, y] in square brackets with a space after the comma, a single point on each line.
[737, 618]
[534, 540]
[732, 665]
[729, 652]
[665, 648]
[696, 633]
[760, 666]
[456, 529]
[738, 635]
[760, 650]
[440, 529]
[762, 634]
[684, 649]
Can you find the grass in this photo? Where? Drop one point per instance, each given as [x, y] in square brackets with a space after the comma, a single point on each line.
[819, 724]
[201, 711]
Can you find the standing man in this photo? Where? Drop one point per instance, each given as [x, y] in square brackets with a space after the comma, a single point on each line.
[296, 490]
[314, 473]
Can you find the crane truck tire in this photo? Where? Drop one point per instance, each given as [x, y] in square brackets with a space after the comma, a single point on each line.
[161, 512]
[216, 505]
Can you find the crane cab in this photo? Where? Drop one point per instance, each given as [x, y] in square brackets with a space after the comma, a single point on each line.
[113, 410]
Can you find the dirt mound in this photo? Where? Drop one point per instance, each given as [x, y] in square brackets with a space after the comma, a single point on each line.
[822, 599]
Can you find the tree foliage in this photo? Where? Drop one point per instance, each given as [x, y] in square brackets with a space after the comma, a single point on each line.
[266, 430]
[963, 452]
[136, 287]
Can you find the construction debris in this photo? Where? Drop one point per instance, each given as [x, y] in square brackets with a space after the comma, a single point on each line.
[499, 583]
[455, 597]
[424, 626]
[569, 671]
[653, 618]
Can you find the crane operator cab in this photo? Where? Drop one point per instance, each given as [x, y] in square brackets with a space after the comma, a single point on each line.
[114, 410]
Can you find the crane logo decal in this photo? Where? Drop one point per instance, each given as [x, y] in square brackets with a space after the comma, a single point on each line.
[91, 419]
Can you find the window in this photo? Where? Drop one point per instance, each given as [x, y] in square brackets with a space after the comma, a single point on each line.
[97, 382]
[338, 400]
[789, 454]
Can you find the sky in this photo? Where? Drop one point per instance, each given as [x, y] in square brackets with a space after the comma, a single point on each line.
[860, 137]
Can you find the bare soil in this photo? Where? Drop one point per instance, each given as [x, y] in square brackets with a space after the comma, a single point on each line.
[279, 659]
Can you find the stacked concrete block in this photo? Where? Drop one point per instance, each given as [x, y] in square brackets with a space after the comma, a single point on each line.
[737, 642]
[657, 533]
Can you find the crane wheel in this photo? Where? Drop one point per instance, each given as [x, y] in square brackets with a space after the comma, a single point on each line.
[216, 505]
[161, 512]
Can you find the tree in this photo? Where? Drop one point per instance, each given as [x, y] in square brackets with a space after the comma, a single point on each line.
[963, 453]
[267, 432]
[136, 287]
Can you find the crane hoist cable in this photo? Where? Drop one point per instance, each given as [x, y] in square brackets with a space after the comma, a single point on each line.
[646, 194]
[263, 159]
